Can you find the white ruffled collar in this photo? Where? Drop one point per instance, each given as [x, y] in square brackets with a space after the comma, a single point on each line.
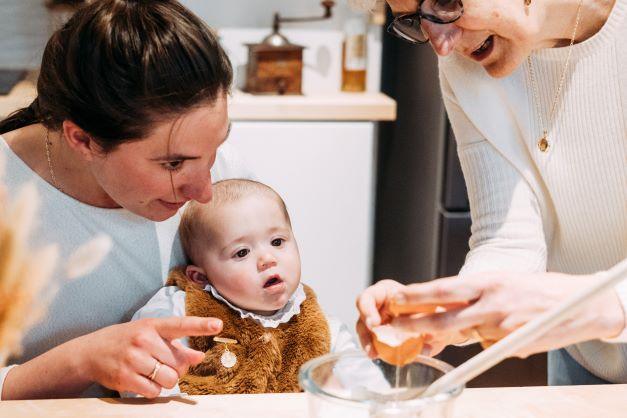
[283, 315]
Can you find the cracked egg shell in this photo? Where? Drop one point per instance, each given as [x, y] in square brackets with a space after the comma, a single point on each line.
[395, 346]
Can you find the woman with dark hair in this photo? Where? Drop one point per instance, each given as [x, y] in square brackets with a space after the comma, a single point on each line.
[131, 110]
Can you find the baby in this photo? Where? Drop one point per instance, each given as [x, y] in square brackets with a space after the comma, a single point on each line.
[244, 268]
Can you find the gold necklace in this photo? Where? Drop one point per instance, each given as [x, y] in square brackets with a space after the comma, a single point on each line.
[54, 179]
[543, 142]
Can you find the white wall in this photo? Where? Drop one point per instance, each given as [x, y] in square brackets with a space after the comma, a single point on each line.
[25, 25]
[258, 13]
[24, 29]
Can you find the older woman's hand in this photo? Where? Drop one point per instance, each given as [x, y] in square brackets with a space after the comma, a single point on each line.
[373, 306]
[122, 357]
[499, 303]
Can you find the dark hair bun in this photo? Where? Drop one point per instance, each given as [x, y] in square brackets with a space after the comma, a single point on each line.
[115, 70]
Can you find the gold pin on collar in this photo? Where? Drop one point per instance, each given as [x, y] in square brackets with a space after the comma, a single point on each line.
[228, 359]
[224, 340]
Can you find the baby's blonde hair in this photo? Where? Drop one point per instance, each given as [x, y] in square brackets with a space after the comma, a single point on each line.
[196, 218]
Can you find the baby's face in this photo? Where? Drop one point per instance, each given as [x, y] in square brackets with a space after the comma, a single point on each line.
[252, 258]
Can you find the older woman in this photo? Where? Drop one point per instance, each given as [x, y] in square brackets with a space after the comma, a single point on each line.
[535, 91]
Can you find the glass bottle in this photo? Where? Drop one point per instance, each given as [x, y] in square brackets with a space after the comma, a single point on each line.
[354, 55]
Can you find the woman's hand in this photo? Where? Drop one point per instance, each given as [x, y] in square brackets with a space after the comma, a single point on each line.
[502, 302]
[373, 306]
[122, 357]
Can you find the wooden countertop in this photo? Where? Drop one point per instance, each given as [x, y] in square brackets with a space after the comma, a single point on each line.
[243, 106]
[606, 401]
[330, 107]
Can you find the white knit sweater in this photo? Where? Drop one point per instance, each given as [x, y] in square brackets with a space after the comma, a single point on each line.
[563, 210]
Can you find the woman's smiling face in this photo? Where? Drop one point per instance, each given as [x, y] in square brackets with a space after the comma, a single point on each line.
[496, 33]
[155, 176]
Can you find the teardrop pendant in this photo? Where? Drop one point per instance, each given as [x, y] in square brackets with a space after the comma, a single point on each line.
[228, 359]
[543, 143]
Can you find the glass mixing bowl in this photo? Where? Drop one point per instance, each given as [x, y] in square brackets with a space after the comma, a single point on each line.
[351, 385]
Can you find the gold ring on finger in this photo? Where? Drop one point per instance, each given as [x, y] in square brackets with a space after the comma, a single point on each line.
[153, 375]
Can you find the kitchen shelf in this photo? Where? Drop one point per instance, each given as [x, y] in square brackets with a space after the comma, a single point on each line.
[327, 107]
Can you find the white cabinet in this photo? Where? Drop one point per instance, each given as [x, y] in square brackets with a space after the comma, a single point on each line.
[325, 172]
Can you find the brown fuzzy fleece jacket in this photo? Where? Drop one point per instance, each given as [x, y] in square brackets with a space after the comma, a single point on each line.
[268, 359]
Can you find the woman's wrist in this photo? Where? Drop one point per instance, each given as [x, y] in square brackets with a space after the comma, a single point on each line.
[80, 364]
[60, 372]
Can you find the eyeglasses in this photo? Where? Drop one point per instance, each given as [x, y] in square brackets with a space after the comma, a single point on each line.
[408, 27]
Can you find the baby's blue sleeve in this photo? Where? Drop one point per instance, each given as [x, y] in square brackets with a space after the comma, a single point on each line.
[341, 337]
[167, 302]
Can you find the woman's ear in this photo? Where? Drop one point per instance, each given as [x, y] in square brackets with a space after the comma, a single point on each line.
[79, 140]
[197, 276]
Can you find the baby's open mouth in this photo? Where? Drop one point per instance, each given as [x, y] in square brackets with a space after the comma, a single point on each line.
[272, 281]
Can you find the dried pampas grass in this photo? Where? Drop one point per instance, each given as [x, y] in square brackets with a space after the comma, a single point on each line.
[23, 272]
[88, 256]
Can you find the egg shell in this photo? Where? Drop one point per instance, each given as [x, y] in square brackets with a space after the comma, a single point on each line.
[399, 349]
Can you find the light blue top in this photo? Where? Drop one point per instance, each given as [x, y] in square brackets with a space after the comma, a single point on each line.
[135, 269]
